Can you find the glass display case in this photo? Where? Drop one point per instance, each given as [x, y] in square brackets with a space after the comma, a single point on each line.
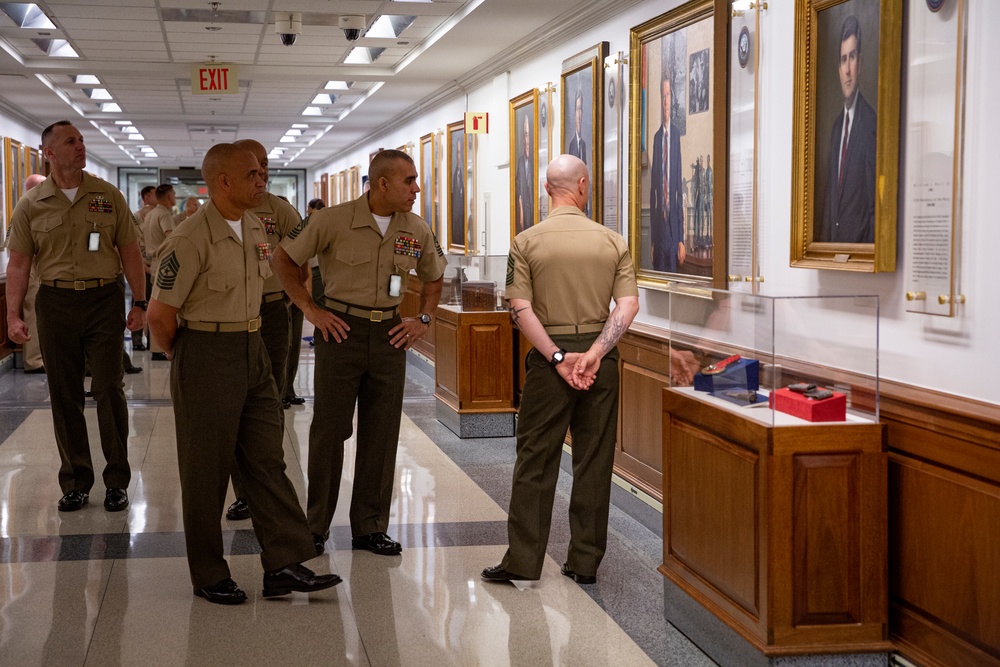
[781, 361]
[475, 283]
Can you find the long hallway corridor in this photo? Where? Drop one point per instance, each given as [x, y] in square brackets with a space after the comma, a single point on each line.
[96, 588]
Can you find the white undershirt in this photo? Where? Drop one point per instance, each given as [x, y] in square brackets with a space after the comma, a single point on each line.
[383, 222]
[70, 192]
[237, 226]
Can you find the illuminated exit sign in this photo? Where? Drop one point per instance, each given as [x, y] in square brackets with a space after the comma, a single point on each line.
[215, 79]
[477, 122]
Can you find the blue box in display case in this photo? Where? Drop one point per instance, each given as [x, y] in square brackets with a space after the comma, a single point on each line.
[740, 374]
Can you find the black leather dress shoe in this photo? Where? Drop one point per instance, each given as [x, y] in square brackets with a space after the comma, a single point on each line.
[320, 542]
[73, 501]
[377, 543]
[159, 356]
[498, 573]
[294, 400]
[115, 500]
[578, 578]
[238, 511]
[298, 578]
[223, 592]
[132, 370]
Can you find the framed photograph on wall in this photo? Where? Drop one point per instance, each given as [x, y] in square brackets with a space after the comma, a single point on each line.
[13, 162]
[523, 161]
[324, 189]
[344, 179]
[678, 124]
[455, 170]
[354, 191]
[845, 136]
[583, 118]
[428, 169]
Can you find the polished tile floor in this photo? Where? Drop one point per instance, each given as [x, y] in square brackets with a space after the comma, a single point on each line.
[93, 588]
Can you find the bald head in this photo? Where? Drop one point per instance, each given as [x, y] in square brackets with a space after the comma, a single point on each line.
[258, 151]
[567, 181]
[233, 178]
[33, 181]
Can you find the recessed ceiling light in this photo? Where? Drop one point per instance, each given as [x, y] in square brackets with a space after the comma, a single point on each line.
[84, 79]
[123, 122]
[312, 111]
[301, 126]
[323, 98]
[286, 139]
[111, 107]
[98, 94]
[293, 133]
[337, 85]
[136, 137]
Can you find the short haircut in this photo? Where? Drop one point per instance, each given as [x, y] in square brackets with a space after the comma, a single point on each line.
[579, 97]
[146, 190]
[383, 162]
[316, 204]
[216, 161]
[851, 27]
[47, 132]
[163, 190]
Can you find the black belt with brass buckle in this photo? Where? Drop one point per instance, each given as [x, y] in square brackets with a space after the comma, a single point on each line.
[223, 327]
[372, 315]
[79, 285]
[272, 297]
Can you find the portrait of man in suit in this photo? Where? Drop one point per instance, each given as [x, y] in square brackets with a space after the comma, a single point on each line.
[666, 209]
[456, 190]
[577, 145]
[524, 181]
[848, 206]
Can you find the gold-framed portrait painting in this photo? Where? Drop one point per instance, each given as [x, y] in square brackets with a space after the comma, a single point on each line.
[845, 138]
[582, 90]
[13, 161]
[428, 167]
[677, 164]
[523, 162]
[324, 189]
[457, 223]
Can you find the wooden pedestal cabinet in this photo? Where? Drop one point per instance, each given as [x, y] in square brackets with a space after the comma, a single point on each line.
[780, 531]
[474, 360]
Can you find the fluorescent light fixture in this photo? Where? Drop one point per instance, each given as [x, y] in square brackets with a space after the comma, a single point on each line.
[147, 149]
[86, 79]
[293, 133]
[97, 93]
[390, 27]
[150, 155]
[27, 15]
[312, 111]
[130, 129]
[359, 55]
[301, 126]
[286, 140]
[123, 122]
[337, 85]
[136, 137]
[323, 98]
[111, 107]
[59, 48]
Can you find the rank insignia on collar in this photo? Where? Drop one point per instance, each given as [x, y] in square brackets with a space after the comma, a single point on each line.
[100, 205]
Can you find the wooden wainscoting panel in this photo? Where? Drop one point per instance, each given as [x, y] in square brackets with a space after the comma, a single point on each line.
[446, 363]
[490, 350]
[639, 457]
[711, 523]
[826, 551]
[945, 556]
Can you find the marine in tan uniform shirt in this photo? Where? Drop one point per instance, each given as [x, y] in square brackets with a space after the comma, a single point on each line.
[279, 219]
[211, 276]
[561, 276]
[80, 232]
[362, 341]
[158, 225]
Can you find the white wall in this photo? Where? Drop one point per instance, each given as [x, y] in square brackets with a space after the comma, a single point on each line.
[953, 355]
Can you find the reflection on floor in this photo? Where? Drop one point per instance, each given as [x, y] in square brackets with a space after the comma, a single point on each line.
[93, 588]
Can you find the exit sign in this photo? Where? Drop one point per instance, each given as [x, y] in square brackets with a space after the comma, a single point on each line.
[477, 122]
[214, 79]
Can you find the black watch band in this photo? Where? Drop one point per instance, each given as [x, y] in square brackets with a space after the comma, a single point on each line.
[425, 318]
[142, 304]
[557, 357]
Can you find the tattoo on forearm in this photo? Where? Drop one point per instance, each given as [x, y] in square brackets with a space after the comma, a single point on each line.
[515, 317]
[614, 329]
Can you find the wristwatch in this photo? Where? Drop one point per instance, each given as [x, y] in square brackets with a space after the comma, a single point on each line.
[142, 304]
[425, 318]
[557, 357]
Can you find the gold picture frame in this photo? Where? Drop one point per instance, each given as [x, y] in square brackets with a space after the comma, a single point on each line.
[458, 224]
[13, 162]
[355, 188]
[324, 189]
[844, 191]
[428, 168]
[582, 90]
[343, 180]
[523, 161]
[678, 62]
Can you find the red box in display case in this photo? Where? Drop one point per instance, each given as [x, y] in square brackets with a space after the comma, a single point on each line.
[833, 409]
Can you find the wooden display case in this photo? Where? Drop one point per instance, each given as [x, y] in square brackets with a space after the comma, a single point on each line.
[779, 531]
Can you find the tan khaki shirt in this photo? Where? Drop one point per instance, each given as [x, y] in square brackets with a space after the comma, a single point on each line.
[144, 211]
[356, 261]
[569, 268]
[207, 274]
[56, 232]
[158, 224]
[279, 219]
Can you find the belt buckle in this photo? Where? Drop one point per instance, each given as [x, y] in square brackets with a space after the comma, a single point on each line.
[372, 318]
[79, 285]
[253, 325]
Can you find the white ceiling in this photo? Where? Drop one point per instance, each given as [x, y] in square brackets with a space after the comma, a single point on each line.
[142, 52]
